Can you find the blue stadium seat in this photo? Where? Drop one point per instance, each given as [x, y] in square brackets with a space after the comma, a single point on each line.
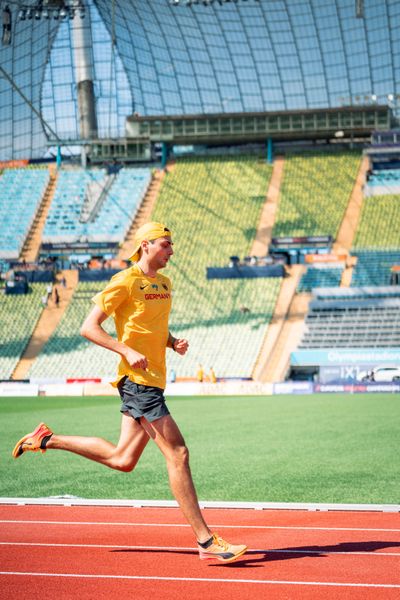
[21, 191]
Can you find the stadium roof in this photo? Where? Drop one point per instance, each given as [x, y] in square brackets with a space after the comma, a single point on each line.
[157, 58]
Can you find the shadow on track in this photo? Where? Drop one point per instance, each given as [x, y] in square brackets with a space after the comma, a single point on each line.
[252, 557]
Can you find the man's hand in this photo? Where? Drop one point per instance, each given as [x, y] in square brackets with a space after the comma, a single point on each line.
[181, 346]
[135, 359]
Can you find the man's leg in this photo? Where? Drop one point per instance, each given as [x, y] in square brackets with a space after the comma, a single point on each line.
[167, 436]
[123, 456]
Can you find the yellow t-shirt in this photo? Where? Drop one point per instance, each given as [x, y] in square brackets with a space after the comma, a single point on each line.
[140, 306]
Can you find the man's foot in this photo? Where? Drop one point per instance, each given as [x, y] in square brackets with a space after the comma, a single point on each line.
[34, 441]
[217, 548]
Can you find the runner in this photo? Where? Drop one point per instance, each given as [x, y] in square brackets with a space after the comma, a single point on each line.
[139, 299]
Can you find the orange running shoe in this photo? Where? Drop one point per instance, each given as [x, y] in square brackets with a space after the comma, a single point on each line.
[217, 548]
[32, 441]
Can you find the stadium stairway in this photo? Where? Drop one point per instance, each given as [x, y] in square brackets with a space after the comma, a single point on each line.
[46, 325]
[292, 329]
[31, 247]
[284, 330]
[144, 212]
[267, 219]
[348, 227]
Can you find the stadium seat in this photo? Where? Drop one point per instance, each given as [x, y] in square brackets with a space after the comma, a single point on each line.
[369, 318]
[320, 277]
[373, 267]
[377, 228]
[21, 192]
[64, 223]
[18, 317]
[67, 353]
[315, 191]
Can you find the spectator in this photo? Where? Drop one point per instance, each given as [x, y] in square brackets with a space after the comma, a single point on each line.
[200, 374]
[213, 377]
[56, 297]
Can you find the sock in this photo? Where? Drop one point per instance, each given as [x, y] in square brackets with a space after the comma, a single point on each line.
[206, 544]
[44, 441]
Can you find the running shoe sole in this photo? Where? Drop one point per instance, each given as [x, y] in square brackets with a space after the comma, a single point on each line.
[34, 445]
[221, 557]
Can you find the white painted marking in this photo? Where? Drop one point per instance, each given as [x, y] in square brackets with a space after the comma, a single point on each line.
[192, 549]
[130, 524]
[311, 506]
[204, 580]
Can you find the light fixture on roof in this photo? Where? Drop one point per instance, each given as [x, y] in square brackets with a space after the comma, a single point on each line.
[58, 9]
[360, 9]
[7, 21]
[64, 11]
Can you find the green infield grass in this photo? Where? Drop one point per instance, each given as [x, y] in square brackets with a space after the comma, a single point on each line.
[320, 448]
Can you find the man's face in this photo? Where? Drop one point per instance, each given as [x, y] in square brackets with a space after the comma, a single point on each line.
[160, 251]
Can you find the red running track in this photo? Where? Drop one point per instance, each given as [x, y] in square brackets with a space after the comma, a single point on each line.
[107, 552]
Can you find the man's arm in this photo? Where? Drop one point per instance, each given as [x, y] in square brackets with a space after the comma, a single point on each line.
[94, 332]
[179, 345]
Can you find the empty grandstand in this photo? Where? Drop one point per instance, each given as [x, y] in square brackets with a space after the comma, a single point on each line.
[315, 191]
[21, 192]
[374, 267]
[353, 318]
[378, 228]
[93, 207]
[67, 353]
[18, 316]
[212, 207]
[320, 276]
[377, 242]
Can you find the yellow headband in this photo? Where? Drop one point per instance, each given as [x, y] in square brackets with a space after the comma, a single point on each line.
[149, 231]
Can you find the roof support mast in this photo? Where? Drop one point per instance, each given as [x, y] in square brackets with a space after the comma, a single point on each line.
[84, 75]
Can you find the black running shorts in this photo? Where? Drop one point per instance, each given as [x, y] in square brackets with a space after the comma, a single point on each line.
[142, 400]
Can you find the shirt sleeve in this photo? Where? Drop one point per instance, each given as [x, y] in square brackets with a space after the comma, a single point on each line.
[114, 294]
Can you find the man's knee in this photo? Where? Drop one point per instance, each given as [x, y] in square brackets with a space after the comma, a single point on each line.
[180, 456]
[125, 467]
[126, 464]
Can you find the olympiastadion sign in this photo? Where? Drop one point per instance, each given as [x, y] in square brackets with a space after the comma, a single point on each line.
[346, 356]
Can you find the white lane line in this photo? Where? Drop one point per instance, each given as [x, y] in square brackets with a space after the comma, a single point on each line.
[308, 506]
[192, 549]
[130, 524]
[204, 580]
